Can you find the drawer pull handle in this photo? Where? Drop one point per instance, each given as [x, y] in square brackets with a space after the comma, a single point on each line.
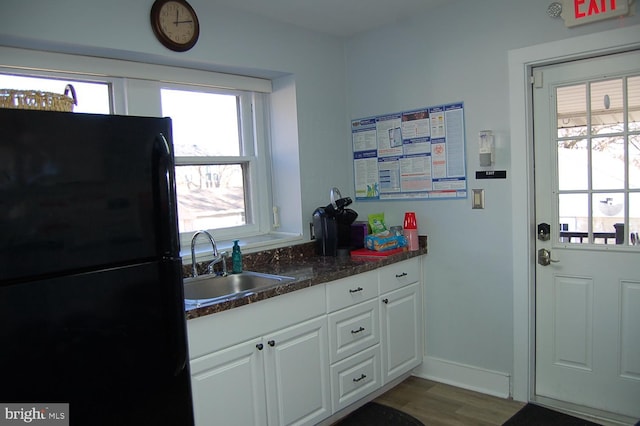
[362, 377]
[404, 274]
[359, 330]
[259, 346]
[356, 290]
[385, 301]
[271, 343]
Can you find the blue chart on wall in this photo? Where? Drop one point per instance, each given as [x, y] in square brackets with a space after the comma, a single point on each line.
[418, 154]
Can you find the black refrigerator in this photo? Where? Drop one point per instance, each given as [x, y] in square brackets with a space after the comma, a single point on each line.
[91, 297]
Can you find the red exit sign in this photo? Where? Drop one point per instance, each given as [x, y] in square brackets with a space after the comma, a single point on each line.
[577, 12]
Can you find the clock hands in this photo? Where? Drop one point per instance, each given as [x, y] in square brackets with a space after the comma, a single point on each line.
[178, 21]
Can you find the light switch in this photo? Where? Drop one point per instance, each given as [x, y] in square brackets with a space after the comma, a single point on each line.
[478, 199]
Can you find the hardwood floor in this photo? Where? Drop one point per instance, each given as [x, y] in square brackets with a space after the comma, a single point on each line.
[437, 404]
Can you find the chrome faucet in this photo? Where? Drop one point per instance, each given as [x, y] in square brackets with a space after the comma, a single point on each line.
[216, 258]
[219, 259]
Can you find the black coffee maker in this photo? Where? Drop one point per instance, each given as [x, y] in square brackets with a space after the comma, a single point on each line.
[332, 225]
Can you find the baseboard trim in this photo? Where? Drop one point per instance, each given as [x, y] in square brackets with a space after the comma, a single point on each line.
[465, 376]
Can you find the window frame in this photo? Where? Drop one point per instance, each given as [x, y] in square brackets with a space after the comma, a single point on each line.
[252, 159]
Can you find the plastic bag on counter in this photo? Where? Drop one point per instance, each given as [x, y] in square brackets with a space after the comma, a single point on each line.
[385, 241]
[376, 222]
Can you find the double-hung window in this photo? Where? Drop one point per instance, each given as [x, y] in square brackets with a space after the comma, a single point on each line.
[220, 162]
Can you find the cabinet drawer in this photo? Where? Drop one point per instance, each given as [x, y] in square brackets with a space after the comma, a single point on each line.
[400, 274]
[355, 377]
[352, 290]
[353, 329]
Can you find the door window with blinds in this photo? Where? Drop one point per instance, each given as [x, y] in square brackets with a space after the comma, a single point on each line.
[598, 158]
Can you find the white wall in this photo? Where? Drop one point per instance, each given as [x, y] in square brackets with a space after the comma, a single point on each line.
[459, 52]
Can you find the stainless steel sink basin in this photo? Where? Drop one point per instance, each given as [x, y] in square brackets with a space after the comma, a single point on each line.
[211, 288]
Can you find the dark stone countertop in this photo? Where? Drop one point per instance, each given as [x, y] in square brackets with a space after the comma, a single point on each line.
[301, 263]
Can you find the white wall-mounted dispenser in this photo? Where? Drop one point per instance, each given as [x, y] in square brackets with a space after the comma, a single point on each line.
[487, 148]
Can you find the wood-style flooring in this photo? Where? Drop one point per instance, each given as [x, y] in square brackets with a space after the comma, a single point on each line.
[437, 404]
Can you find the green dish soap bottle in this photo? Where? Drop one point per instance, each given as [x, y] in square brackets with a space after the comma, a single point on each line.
[236, 258]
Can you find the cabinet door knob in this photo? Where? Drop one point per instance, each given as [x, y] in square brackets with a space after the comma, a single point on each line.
[385, 301]
[271, 343]
[359, 330]
[404, 274]
[259, 346]
[356, 290]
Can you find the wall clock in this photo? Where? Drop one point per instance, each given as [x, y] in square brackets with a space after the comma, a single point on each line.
[175, 24]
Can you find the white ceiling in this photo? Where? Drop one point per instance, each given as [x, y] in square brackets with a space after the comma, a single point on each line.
[342, 18]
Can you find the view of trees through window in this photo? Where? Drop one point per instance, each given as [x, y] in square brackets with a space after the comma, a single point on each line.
[210, 172]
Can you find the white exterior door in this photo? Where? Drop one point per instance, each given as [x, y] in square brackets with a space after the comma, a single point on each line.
[587, 178]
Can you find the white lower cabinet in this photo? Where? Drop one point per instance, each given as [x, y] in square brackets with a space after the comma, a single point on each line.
[298, 358]
[355, 377]
[401, 331]
[279, 379]
[354, 338]
[400, 318]
[297, 374]
[228, 386]
[353, 329]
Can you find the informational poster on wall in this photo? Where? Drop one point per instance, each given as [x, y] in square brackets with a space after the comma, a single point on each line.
[417, 154]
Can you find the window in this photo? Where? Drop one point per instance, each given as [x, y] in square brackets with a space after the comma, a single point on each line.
[93, 97]
[598, 154]
[215, 159]
[221, 136]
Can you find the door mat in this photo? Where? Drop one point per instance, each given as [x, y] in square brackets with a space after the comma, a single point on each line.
[535, 415]
[374, 414]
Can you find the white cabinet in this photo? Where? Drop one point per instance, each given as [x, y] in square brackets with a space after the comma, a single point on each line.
[354, 336]
[280, 377]
[228, 386]
[298, 358]
[353, 329]
[350, 291]
[355, 377]
[400, 318]
[297, 376]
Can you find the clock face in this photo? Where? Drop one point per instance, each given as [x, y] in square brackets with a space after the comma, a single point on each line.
[175, 24]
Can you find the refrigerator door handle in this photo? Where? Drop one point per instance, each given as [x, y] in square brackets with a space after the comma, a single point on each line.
[173, 275]
[165, 198]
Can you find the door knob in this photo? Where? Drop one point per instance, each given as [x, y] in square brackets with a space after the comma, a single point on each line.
[544, 257]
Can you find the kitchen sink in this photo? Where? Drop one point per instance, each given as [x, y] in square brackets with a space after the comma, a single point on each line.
[206, 289]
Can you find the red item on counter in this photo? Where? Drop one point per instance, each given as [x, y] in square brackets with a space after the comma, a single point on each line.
[411, 230]
[410, 221]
